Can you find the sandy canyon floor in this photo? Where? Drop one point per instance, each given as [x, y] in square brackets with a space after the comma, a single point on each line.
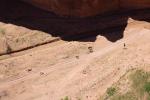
[75, 69]
[35, 65]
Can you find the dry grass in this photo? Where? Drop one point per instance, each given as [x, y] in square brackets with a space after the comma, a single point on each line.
[139, 89]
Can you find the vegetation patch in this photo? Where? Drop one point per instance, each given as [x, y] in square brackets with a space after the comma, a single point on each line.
[126, 96]
[147, 87]
[139, 87]
[2, 31]
[111, 91]
[66, 98]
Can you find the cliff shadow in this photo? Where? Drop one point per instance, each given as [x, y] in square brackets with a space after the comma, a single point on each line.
[110, 25]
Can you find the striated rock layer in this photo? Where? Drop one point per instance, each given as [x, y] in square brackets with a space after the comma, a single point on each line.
[87, 7]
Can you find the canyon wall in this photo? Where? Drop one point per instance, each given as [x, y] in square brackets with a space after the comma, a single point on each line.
[134, 4]
[87, 7]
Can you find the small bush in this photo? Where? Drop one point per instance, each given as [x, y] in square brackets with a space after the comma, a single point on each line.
[65, 98]
[111, 91]
[147, 87]
[2, 31]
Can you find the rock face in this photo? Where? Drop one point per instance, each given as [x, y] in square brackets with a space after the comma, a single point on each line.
[134, 4]
[87, 7]
[76, 7]
[14, 38]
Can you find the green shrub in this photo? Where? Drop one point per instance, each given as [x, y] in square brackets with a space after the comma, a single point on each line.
[2, 31]
[147, 87]
[111, 91]
[65, 98]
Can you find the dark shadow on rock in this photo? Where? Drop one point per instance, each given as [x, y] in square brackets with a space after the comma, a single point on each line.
[110, 25]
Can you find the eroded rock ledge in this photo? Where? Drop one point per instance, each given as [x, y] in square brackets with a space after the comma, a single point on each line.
[87, 7]
[15, 38]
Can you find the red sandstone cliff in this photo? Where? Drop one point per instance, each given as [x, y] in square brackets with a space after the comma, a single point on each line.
[87, 7]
